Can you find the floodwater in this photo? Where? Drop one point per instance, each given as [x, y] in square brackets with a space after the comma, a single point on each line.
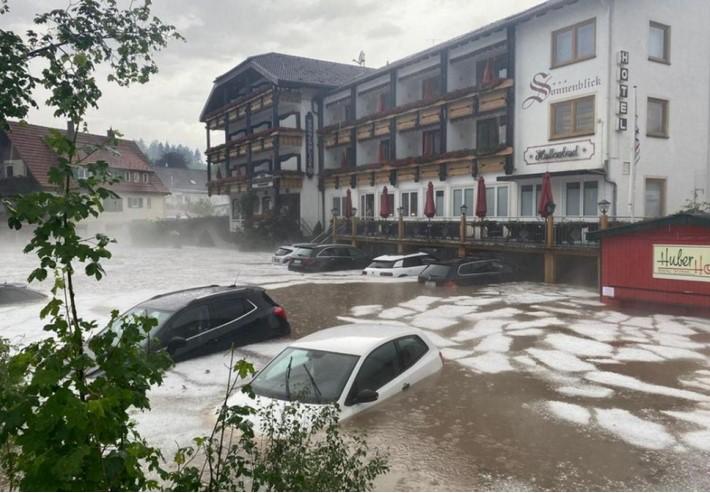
[542, 386]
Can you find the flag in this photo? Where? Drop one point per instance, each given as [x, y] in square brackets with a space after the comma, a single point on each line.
[637, 142]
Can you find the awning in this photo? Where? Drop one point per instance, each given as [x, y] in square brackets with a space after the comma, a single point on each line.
[597, 172]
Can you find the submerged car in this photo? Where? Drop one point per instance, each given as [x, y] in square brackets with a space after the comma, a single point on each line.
[321, 258]
[355, 366]
[11, 293]
[466, 271]
[284, 253]
[205, 319]
[399, 265]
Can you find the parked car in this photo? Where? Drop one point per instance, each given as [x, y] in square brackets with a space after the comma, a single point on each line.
[284, 253]
[11, 293]
[355, 366]
[327, 257]
[399, 265]
[466, 271]
[205, 319]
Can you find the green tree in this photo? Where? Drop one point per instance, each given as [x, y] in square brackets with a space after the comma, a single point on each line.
[61, 429]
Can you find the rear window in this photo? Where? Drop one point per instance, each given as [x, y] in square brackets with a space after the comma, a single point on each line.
[303, 252]
[381, 264]
[437, 270]
[283, 251]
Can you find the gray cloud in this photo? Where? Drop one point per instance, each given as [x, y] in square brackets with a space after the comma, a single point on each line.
[222, 33]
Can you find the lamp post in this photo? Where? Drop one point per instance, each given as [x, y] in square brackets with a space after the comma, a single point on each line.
[462, 231]
[550, 225]
[604, 218]
[400, 229]
[334, 212]
[353, 226]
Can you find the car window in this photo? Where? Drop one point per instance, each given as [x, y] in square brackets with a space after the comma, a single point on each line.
[379, 368]
[342, 252]
[190, 322]
[412, 262]
[411, 350]
[428, 260]
[303, 252]
[354, 252]
[327, 252]
[381, 264]
[480, 267]
[283, 251]
[437, 270]
[225, 310]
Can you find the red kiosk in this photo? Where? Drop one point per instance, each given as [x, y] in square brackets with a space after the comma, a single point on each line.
[665, 260]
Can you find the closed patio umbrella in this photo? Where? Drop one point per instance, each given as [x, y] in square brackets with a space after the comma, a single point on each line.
[385, 204]
[348, 212]
[546, 206]
[487, 78]
[429, 206]
[481, 205]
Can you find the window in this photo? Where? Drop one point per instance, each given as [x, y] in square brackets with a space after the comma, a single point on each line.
[657, 118]
[655, 197]
[431, 87]
[384, 153]
[439, 202]
[339, 205]
[80, 173]
[572, 118]
[113, 205]
[529, 198]
[148, 203]
[574, 44]
[9, 171]
[487, 134]
[347, 158]
[410, 204]
[383, 101]
[146, 177]
[411, 350]
[225, 310]
[499, 66]
[572, 198]
[462, 196]
[659, 43]
[127, 176]
[135, 202]
[136, 177]
[497, 201]
[367, 205]
[591, 198]
[190, 322]
[235, 209]
[348, 112]
[379, 368]
[265, 204]
[431, 142]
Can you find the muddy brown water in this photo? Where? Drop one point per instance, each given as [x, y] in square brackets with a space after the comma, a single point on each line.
[460, 430]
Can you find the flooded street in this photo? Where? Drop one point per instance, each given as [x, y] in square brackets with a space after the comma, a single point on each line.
[542, 386]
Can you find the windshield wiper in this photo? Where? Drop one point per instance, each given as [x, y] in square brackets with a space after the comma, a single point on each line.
[313, 382]
[288, 376]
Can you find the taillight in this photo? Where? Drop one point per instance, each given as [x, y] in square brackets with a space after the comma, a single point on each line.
[279, 312]
[451, 284]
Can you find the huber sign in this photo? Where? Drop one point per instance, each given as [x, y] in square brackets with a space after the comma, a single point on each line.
[681, 262]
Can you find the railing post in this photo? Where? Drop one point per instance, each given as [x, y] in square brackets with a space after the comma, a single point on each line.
[353, 230]
[400, 234]
[550, 259]
[549, 231]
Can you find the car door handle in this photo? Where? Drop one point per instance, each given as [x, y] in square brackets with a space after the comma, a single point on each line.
[405, 386]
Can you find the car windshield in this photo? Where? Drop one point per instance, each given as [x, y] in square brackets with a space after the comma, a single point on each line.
[305, 375]
[436, 270]
[282, 251]
[303, 252]
[140, 311]
[381, 264]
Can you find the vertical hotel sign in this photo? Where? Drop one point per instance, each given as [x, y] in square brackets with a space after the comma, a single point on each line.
[310, 145]
[622, 93]
[681, 262]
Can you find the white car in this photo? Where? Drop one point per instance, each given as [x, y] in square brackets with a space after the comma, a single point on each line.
[355, 366]
[399, 265]
[286, 252]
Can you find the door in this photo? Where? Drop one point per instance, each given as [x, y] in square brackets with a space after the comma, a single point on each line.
[232, 320]
[189, 324]
[412, 266]
[380, 371]
[328, 259]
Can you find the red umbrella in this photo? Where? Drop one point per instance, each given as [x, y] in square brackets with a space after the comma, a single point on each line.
[546, 205]
[429, 206]
[385, 204]
[348, 205]
[481, 206]
[487, 78]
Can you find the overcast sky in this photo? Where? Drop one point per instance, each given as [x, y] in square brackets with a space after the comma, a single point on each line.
[221, 33]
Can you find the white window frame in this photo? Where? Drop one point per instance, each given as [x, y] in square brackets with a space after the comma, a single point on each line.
[493, 208]
[582, 186]
[471, 207]
[408, 207]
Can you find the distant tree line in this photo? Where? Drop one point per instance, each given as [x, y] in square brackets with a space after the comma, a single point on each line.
[172, 156]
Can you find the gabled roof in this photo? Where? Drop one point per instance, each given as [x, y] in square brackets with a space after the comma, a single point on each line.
[280, 68]
[29, 142]
[679, 219]
[179, 179]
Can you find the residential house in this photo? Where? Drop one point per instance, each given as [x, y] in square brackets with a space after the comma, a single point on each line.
[188, 193]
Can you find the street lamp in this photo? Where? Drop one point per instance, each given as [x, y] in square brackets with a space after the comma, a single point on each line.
[354, 211]
[604, 206]
[550, 208]
[334, 211]
[464, 209]
[400, 210]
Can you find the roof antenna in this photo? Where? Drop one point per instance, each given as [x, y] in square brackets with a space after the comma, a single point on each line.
[360, 59]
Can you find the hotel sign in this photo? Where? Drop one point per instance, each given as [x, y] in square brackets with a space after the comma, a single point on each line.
[681, 262]
[622, 94]
[580, 150]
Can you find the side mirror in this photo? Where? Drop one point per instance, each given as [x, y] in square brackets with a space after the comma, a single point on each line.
[176, 343]
[365, 395]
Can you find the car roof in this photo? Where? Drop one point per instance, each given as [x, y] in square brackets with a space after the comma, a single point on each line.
[176, 300]
[462, 260]
[357, 339]
[392, 258]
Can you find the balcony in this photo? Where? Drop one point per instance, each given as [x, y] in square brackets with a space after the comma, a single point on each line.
[236, 110]
[256, 143]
